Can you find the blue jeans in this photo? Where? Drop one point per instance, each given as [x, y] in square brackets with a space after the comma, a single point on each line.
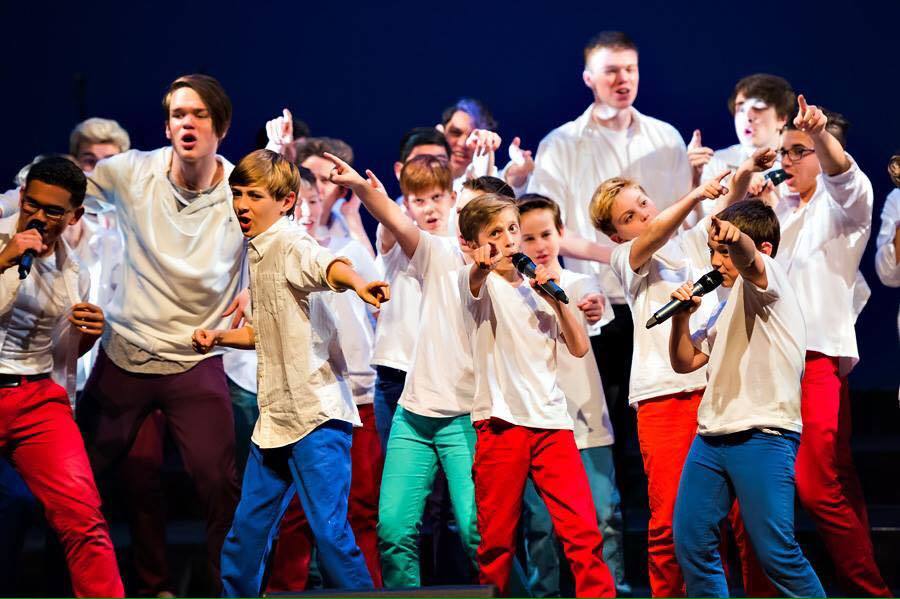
[317, 467]
[388, 387]
[540, 542]
[757, 468]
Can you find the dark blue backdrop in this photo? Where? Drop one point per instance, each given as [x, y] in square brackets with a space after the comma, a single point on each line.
[368, 72]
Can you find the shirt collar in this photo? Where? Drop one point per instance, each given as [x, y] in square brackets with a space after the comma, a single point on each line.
[261, 242]
[584, 123]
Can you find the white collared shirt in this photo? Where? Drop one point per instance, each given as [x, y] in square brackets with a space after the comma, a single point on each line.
[181, 268]
[298, 386]
[886, 258]
[398, 321]
[821, 246]
[574, 159]
[35, 334]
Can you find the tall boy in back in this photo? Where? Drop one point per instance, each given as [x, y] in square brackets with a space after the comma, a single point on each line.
[520, 413]
[653, 251]
[826, 220]
[432, 423]
[579, 379]
[301, 442]
[749, 419]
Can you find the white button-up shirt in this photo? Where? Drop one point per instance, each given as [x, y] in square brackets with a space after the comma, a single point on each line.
[299, 387]
[821, 246]
[574, 159]
[886, 257]
[35, 334]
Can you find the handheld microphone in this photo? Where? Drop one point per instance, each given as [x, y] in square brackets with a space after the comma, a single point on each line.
[27, 259]
[777, 177]
[526, 266]
[707, 283]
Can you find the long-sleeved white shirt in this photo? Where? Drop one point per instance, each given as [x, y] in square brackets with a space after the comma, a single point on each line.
[35, 334]
[821, 246]
[886, 257]
[298, 386]
[574, 159]
[181, 268]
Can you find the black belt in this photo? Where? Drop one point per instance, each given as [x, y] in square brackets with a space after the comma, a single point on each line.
[14, 380]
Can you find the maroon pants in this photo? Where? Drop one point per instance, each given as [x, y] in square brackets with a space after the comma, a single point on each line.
[45, 447]
[197, 409]
[827, 484]
[290, 562]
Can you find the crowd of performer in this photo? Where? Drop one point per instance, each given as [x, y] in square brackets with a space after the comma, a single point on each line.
[323, 388]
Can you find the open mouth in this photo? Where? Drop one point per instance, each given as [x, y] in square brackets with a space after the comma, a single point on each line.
[623, 92]
[245, 223]
[188, 140]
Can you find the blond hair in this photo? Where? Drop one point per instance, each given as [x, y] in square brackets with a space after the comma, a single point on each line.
[269, 170]
[603, 199]
[425, 173]
[98, 131]
[480, 211]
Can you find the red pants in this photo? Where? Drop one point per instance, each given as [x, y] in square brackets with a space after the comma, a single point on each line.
[45, 447]
[505, 456]
[290, 563]
[666, 429]
[827, 484]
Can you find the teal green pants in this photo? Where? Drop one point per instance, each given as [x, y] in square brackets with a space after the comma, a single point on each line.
[416, 445]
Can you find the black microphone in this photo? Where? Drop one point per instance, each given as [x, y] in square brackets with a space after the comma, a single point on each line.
[526, 266]
[707, 283]
[27, 259]
[777, 177]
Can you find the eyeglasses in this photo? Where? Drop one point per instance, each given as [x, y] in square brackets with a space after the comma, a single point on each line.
[795, 153]
[53, 213]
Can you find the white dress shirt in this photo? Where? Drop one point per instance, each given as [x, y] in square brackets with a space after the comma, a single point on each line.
[299, 388]
[886, 258]
[181, 268]
[35, 334]
[574, 159]
[822, 243]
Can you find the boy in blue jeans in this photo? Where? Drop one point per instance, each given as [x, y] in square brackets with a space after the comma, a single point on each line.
[749, 424]
[301, 442]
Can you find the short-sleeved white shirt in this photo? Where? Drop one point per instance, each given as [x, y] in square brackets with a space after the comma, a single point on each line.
[440, 381]
[398, 321]
[648, 290]
[514, 335]
[579, 378]
[756, 343]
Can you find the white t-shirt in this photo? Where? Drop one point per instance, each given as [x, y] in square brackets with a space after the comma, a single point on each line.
[648, 290]
[355, 327]
[579, 378]
[398, 322]
[440, 381]
[514, 334]
[755, 367]
[574, 159]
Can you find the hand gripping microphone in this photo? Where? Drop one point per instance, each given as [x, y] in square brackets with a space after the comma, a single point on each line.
[707, 283]
[777, 177]
[526, 266]
[27, 259]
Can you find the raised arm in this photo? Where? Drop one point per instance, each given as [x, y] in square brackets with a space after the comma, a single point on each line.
[669, 220]
[383, 208]
[762, 160]
[574, 246]
[829, 151]
[685, 357]
[573, 332]
[744, 255]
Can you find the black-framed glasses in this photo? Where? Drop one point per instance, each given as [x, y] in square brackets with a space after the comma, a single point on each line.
[795, 153]
[53, 213]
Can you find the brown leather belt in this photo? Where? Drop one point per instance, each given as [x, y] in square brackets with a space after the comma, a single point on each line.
[15, 380]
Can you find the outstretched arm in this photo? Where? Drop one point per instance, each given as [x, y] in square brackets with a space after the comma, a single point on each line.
[383, 208]
[667, 222]
[829, 151]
